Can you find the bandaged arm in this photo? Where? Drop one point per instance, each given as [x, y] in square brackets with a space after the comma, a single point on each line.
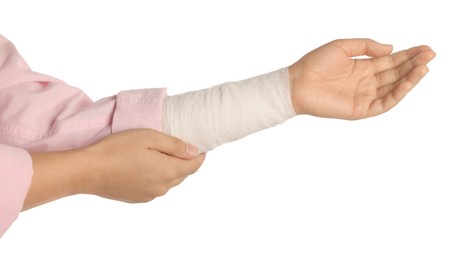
[224, 113]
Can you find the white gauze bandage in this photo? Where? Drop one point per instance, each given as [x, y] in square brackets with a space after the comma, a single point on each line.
[210, 117]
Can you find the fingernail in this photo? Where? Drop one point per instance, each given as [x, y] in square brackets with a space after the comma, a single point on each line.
[191, 150]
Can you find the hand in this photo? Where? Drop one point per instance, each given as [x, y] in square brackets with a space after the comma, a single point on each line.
[140, 165]
[132, 166]
[328, 82]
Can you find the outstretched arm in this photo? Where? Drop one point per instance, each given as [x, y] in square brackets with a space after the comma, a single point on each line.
[330, 81]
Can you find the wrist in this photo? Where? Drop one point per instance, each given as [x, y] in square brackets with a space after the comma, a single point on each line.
[89, 178]
[56, 175]
[292, 88]
[80, 168]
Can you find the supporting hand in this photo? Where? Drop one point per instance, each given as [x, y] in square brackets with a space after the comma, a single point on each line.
[132, 166]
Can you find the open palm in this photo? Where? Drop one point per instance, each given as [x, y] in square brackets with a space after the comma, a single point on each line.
[329, 82]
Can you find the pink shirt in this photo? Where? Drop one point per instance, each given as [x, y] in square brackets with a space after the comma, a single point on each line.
[41, 113]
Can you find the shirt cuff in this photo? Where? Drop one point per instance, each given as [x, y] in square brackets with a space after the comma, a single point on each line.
[138, 109]
[16, 171]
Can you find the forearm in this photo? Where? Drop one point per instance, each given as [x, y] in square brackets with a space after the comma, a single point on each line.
[56, 175]
[230, 111]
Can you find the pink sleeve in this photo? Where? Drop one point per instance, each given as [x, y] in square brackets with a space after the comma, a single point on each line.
[41, 113]
[15, 177]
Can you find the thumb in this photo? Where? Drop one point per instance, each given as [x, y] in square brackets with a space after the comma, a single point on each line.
[368, 47]
[172, 146]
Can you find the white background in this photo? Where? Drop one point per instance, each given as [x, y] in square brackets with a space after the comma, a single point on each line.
[390, 187]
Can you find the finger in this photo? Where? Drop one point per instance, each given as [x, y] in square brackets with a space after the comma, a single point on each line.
[385, 90]
[368, 47]
[181, 168]
[409, 82]
[392, 61]
[398, 91]
[188, 167]
[393, 75]
[176, 182]
[172, 146]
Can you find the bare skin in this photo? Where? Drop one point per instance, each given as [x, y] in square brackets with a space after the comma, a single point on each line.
[328, 82]
[133, 166]
[139, 165]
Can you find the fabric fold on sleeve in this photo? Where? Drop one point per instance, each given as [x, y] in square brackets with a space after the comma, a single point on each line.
[42, 113]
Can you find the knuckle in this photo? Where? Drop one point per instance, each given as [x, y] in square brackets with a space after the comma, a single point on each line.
[153, 194]
[161, 191]
[193, 169]
[337, 41]
[147, 199]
